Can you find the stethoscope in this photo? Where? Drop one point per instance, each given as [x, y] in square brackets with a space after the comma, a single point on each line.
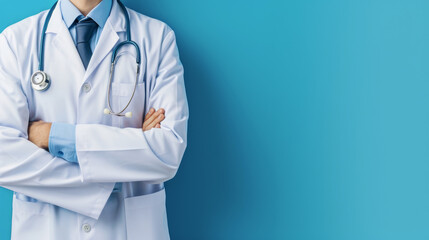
[40, 80]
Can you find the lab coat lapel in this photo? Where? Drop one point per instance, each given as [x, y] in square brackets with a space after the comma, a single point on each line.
[107, 41]
[108, 38]
[62, 44]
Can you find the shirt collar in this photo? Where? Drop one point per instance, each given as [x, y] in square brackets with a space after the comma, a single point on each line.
[99, 14]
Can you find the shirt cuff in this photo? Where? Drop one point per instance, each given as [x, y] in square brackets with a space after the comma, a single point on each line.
[62, 141]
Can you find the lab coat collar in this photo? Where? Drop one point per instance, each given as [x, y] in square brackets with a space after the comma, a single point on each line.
[117, 18]
[56, 22]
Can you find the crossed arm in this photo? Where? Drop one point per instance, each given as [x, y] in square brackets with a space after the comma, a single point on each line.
[39, 131]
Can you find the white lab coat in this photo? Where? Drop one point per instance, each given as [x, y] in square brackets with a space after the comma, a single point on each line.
[72, 198]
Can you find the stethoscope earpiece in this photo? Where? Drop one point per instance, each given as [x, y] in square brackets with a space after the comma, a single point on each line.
[127, 114]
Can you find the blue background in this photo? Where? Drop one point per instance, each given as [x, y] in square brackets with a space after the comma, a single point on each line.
[307, 118]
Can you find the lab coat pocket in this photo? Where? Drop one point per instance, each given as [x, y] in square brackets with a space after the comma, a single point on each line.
[29, 217]
[27, 206]
[146, 217]
[122, 93]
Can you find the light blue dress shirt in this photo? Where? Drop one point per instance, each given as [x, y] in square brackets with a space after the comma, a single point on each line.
[62, 139]
[99, 14]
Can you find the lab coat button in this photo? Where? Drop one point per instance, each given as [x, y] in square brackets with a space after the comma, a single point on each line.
[86, 228]
[87, 87]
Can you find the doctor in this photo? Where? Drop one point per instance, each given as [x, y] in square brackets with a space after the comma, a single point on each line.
[78, 167]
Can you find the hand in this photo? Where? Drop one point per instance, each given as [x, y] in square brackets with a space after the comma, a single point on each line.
[153, 119]
[38, 133]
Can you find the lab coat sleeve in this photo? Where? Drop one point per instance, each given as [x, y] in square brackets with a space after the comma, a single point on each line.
[28, 169]
[111, 154]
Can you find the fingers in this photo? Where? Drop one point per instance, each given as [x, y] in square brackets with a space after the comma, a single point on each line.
[146, 119]
[158, 125]
[153, 118]
[156, 121]
[151, 111]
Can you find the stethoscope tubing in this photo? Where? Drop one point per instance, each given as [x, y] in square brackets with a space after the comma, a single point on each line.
[42, 40]
[46, 82]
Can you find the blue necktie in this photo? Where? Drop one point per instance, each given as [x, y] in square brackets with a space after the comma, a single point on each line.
[84, 31]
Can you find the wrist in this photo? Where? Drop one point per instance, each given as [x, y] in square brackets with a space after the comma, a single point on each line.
[46, 131]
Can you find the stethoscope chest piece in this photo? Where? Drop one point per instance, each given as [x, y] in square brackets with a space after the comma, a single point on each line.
[40, 81]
